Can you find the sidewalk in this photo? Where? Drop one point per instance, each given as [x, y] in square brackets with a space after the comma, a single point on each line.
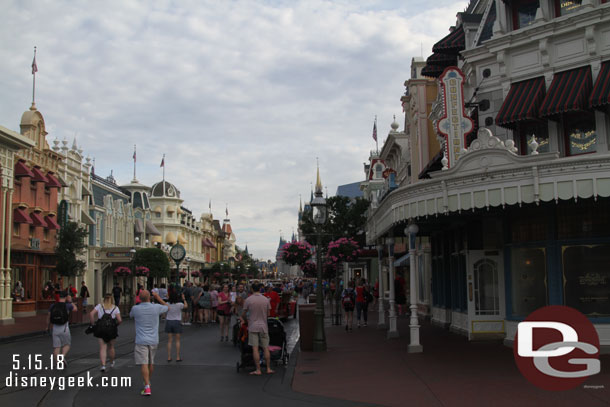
[32, 326]
[364, 366]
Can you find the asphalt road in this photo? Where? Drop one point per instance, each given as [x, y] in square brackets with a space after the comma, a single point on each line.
[207, 376]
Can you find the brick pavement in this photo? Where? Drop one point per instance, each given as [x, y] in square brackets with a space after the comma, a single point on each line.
[364, 366]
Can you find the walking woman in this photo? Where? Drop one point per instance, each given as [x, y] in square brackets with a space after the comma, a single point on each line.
[205, 304]
[173, 326]
[108, 319]
[214, 296]
[224, 312]
[362, 306]
[348, 299]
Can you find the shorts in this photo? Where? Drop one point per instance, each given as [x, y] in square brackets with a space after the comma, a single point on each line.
[348, 307]
[145, 354]
[84, 302]
[173, 327]
[61, 339]
[258, 339]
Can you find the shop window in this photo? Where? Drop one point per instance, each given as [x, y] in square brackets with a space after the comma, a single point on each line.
[46, 235]
[564, 7]
[31, 232]
[528, 278]
[16, 229]
[587, 279]
[486, 292]
[524, 12]
[583, 219]
[580, 134]
[523, 133]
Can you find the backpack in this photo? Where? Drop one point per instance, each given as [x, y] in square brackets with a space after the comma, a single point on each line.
[59, 313]
[106, 327]
[348, 299]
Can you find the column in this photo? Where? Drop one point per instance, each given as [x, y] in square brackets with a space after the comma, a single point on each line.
[381, 309]
[7, 303]
[414, 345]
[393, 329]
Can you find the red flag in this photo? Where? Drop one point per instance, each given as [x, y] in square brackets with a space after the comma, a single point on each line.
[162, 162]
[375, 130]
[34, 66]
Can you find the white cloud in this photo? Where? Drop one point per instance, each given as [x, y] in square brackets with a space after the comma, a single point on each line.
[241, 96]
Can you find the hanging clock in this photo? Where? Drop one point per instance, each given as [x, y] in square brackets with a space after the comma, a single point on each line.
[177, 252]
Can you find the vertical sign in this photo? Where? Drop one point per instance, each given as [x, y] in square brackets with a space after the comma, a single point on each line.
[455, 125]
[62, 213]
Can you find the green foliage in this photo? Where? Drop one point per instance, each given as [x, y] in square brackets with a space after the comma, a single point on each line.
[216, 268]
[346, 218]
[70, 244]
[156, 261]
[252, 269]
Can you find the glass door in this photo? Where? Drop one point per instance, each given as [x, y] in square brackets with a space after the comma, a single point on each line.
[486, 306]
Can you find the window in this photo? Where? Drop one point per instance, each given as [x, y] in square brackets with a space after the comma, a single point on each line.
[523, 133]
[157, 214]
[46, 235]
[580, 134]
[16, 229]
[31, 233]
[378, 171]
[564, 7]
[524, 12]
[137, 200]
[528, 277]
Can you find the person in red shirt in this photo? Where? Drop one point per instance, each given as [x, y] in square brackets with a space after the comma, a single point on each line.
[274, 300]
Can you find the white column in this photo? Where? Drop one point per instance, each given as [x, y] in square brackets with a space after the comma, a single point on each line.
[381, 309]
[393, 329]
[6, 315]
[3, 267]
[414, 345]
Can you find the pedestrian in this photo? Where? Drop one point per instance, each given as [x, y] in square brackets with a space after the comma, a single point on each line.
[204, 300]
[84, 294]
[146, 317]
[257, 307]
[116, 292]
[57, 321]
[18, 292]
[188, 310]
[163, 293]
[400, 297]
[376, 292]
[173, 327]
[224, 312]
[138, 291]
[274, 300]
[362, 302]
[106, 328]
[348, 300]
[56, 292]
[155, 290]
[214, 297]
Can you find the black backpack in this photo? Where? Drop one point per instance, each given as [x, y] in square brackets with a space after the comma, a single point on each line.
[106, 327]
[59, 313]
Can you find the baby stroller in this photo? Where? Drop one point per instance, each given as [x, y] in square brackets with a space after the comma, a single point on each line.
[277, 345]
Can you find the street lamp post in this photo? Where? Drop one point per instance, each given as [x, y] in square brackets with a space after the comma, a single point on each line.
[414, 345]
[188, 268]
[319, 218]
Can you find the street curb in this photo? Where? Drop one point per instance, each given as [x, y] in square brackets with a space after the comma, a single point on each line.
[33, 334]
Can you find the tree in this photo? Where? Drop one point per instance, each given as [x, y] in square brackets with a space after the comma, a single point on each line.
[71, 244]
[156, 261]
[252, 269]
[346, 218]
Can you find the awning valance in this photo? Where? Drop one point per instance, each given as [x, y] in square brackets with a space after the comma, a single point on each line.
[86, 219]
[522, 102]
[38, 220]
[600, 96]
[181, 239]
[38, 175]
[22, 170]
[51, 222]
[170, 238]
[21, 216]
[138, 226]
[432, 71]
[442, 60]
[569, 91]
[453, 43]
[151, 229]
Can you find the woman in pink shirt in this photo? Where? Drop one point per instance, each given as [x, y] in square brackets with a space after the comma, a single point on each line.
[214, 297]
[224, 312]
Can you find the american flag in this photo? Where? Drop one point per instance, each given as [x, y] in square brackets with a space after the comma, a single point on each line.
[375, 130]
[162, 162]
[34, 66]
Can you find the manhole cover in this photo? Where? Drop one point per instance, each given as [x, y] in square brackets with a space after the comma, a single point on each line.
[308, 372]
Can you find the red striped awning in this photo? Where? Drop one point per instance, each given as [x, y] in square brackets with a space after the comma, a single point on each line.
[38, 175]
[21, 216]
[38, 220]
[432, 71]
[51, 222]
[453, 43]
[522, 102]
[600, 96]
[52, 182]
[22, 170]
[569, 91]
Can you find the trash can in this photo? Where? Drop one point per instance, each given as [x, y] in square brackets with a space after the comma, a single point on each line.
[306, 326]
[312, 298]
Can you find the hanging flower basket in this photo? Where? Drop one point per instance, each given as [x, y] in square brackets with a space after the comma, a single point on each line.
[296, 253]
[342, 250]
[250, 276]
[122, 271]
[195, 273]
[243, 275]
[183, 274]
[227, 274]
[309, 269]
[142, 271]
[217, 274]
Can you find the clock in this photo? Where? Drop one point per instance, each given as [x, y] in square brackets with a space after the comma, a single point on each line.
[177, 252]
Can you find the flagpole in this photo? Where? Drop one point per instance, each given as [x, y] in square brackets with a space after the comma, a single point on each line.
[134, 162]
[34, 70]
[376, 142]
[163, 168]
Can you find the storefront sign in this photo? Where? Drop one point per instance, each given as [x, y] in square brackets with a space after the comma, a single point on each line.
[455, 125]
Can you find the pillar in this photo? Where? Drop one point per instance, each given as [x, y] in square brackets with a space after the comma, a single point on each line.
[6, 302]
[393, 329]
[414, 345]
[381, 308]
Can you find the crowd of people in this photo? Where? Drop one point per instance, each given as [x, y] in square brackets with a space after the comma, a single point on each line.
[200, 304]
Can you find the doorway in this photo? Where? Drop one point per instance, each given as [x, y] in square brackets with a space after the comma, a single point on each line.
[486, 303]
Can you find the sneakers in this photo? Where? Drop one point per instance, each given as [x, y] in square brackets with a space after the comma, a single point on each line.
[112, 364]
[146, 391]
[103, 368]
[365, 324]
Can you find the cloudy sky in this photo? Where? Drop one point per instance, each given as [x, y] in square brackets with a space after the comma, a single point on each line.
[241, 96]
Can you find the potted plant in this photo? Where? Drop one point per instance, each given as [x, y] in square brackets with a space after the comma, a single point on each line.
[122, 271]
[296, 253]
[142, 271]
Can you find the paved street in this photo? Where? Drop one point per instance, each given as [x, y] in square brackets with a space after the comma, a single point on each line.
[206, 376]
